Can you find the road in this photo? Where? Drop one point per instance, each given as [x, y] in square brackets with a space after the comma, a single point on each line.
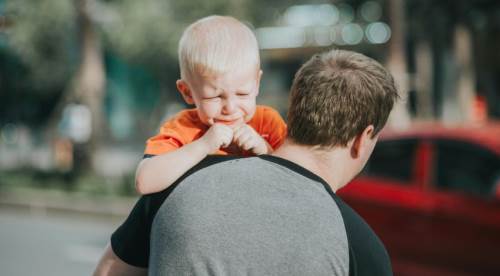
[33, 242]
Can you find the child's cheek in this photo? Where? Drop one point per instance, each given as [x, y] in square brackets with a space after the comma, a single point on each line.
[211, 110]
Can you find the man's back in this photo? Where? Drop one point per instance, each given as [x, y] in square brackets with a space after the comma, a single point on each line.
[226, 220]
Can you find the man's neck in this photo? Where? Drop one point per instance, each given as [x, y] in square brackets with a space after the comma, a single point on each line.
[327, 164]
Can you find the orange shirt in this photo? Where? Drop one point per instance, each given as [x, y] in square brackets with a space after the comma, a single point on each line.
[186, 127]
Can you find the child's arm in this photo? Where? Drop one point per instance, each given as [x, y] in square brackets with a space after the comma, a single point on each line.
[157, 173]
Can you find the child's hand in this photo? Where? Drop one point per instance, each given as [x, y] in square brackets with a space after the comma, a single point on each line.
[248, 139]
[217, 136]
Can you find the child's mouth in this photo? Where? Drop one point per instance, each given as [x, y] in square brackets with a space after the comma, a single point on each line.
[226, 122]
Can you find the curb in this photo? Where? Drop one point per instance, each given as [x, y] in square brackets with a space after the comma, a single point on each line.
[67, 203]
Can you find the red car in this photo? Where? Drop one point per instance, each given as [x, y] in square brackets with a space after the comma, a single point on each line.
[432, 194]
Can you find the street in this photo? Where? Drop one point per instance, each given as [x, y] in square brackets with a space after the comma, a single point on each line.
[39, 243]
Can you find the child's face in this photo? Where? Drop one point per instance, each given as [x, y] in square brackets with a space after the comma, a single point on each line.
[227, 98]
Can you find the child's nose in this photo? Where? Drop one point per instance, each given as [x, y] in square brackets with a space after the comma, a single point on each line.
[229, 106]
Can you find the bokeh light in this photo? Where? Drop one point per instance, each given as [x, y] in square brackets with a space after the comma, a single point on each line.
[280, 37]
[346, 13]
[352, 33]
[371, 11]
[378, 32]
[311, 15]
[323, 36]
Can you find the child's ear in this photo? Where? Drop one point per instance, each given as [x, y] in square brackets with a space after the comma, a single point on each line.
[259, 76]
[185, 91]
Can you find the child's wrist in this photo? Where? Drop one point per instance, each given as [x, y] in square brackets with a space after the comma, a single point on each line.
[204, 146]
[264, 149]
[268, 149]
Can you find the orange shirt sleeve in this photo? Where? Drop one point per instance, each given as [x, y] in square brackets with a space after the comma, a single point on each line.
[176, 132]
[269, 124]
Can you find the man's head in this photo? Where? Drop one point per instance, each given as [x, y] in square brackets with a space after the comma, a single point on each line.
[220, 69]
[337, 96]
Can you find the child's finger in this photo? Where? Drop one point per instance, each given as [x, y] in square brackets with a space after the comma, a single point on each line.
[227, 138]
[225, 144]
[245, 142]
[249, 144]
[247, 130]
[238, 133]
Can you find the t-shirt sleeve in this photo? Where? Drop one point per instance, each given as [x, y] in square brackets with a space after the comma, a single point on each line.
[367, 253]
[166, 140]
[171, 136]
[130, 242]
[273, 127]
[180, 130]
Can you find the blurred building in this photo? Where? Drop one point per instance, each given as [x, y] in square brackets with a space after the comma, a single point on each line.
[441, 52]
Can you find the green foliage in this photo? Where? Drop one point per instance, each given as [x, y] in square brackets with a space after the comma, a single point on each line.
[86, 184]
[44, 37]
[40, 36]
[189, 11]
[141, 31]
[44, 33]
[148, 31]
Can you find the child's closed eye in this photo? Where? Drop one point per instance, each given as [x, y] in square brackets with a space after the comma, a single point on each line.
[242, 94]
[212, 98]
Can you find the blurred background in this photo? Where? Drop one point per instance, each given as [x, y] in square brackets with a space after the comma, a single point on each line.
[84, 83]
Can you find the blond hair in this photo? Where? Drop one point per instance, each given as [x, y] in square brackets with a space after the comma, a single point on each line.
[336, 95]
[217, 45]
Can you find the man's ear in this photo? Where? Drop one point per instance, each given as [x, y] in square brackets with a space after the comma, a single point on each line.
[185, 91]
[362, 142]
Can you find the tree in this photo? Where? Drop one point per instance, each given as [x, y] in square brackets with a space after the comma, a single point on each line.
[61, 43]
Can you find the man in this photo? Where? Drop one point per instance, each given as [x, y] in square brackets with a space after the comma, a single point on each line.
[273, 214]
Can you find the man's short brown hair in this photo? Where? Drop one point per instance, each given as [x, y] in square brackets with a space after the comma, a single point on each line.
[336, 95]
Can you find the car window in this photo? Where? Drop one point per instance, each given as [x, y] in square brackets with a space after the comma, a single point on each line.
[465, 167]
[393, 160]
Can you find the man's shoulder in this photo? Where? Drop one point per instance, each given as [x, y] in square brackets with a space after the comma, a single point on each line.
[212, 160]
[156, 200]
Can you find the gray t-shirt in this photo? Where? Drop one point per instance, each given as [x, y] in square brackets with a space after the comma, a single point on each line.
[248, 217]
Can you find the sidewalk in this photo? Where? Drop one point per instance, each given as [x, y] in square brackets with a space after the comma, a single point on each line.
[44, 202]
